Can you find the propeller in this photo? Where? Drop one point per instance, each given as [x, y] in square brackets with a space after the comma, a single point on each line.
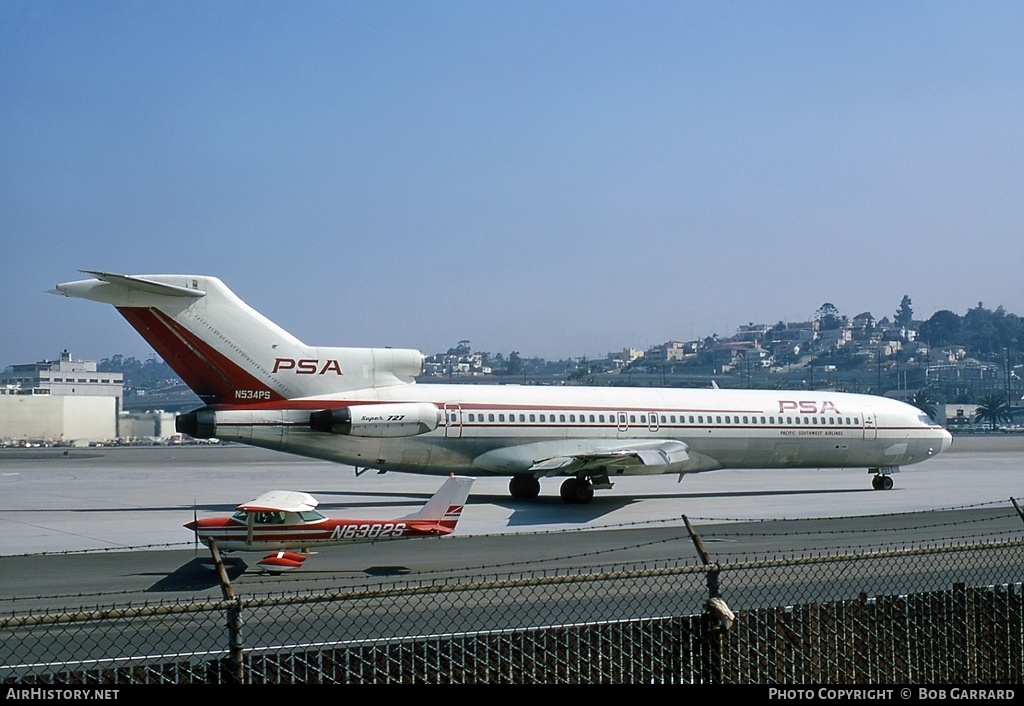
[195, 518]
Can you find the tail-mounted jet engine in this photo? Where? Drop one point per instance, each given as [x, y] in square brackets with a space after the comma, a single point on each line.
[388, 419]
[199, 424]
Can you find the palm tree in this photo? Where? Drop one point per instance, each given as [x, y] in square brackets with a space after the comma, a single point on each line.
[993, 409]
[924, 401]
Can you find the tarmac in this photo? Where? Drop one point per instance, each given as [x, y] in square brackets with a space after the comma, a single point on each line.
[139, 498]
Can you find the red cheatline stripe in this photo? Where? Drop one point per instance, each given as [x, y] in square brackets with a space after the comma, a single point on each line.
[208, 373]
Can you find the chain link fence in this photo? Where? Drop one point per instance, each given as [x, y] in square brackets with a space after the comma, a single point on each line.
[944, 614]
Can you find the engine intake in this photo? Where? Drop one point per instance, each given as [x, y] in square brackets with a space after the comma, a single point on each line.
[378, 420]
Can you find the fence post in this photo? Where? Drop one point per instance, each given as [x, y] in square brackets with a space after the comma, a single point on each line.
[235, 637]
[1016, 507]
[716, 619]
[234, 614]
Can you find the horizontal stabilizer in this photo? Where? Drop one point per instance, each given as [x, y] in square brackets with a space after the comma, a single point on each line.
[280, 562]
[145, 285]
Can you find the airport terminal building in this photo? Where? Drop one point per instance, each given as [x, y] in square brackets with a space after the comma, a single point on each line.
[69, 402]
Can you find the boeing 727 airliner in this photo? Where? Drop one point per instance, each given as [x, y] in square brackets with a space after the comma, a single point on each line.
[361, 406]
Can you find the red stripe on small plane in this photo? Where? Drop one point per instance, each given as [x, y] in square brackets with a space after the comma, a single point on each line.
[208, 373]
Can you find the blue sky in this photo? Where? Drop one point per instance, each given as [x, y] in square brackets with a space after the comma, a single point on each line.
[558, 178]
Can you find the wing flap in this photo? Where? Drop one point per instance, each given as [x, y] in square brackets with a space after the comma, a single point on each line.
[653, 458]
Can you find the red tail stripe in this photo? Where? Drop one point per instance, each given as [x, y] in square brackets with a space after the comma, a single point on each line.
[208, 373]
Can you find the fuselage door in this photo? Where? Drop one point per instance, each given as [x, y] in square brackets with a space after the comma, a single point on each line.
[452, 421]
[870, 430]
[652, 421]
[623, 423]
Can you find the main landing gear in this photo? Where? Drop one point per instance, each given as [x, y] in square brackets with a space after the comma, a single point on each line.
[524, 487]
[576, 491]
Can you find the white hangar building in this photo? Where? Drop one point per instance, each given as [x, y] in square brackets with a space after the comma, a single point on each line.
[64, 401]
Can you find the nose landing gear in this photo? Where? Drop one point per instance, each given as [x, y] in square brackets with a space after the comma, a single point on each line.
[882, 480]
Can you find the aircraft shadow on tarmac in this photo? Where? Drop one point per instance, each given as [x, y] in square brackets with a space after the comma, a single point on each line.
[544, 510]
[551, 510]
[193, 576]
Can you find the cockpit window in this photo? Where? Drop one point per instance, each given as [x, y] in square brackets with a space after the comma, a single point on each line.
[925, 419]
[261, 518]
[312, 516]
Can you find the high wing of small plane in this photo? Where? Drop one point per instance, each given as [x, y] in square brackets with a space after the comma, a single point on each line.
[362, 407]
[279, 522]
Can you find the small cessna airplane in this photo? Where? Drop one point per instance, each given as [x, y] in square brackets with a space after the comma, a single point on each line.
[360, 406]
[280, 521]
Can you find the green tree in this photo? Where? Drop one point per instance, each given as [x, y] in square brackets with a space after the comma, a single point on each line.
[828, 317]
[514, 364]
[581, 370]
[993, 410]
[942, 329]
[461, 349]
[925, 402]
[905, 314]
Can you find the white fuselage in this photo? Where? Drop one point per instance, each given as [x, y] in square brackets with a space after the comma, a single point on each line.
[503, 430]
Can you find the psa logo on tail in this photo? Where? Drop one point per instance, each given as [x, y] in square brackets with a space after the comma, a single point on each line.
[308, 366]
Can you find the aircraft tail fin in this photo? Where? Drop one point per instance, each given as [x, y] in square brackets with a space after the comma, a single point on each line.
[230, 354]
[445, 506]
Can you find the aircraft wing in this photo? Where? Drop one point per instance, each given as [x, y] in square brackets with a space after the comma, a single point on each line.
[281, 501]
[655, 457]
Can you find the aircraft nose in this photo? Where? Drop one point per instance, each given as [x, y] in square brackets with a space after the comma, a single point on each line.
[947, 440]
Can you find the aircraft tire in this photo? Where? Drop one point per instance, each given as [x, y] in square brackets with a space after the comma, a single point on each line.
[576, 491]
[524, 487]
[881, 482]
